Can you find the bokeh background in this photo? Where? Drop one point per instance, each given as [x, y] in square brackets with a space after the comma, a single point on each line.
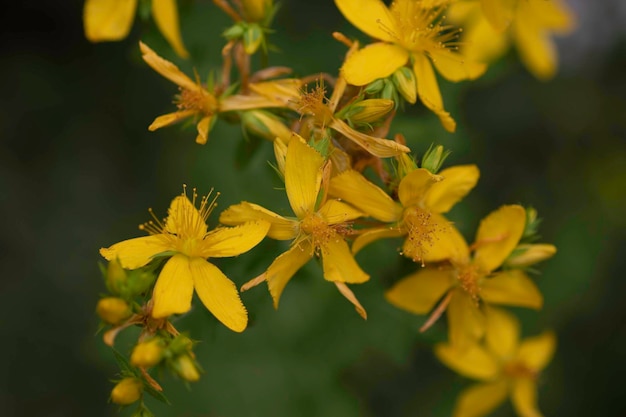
[78, 170]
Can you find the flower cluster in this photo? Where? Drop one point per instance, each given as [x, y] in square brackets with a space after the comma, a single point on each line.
[347, 184]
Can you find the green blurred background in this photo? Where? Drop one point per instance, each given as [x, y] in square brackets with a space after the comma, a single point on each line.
[78, 170]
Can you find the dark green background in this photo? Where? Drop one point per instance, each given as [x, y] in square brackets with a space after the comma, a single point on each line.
[78, 170]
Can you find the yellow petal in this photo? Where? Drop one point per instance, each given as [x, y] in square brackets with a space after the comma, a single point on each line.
[166, 68]
[447, 243]
[524, 397]
[427, 86]
[285, 90]
[370, 16]
[466, 322]
[280, 227]
[303, 176]
[183, 218]
[512, 288]
[284, 267]
[354, 188]
[165, 15]
[552, 15]
[339, 263]
[536, 352]
[530, 254]
[456, 67]
[108, 20]
[170, 118]
[498, 235]
[382, 148]
[372, 235]
[480, 399]
[347, 292]
[336, 212]
[378, 60]
[137, 252]
[473, 362]
[457, 182]
[502, 334]
[203, 128]
[239, 102]
[413, 187]
[233, 241]
[482, 43]
[499, 12]
[418, 292]
[174, 288]
[536, 49]
[256, 9]
[219, 295]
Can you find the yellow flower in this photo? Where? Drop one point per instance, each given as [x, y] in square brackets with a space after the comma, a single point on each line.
[527, 24]
[319, 114]
[185, 235]
[470, 282]
[506, 367]
[195, 100]
[423, 197]
[319, 227]
[409, 31]
[111, 20]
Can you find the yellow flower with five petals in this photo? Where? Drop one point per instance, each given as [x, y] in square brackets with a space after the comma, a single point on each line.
[469, 283]
[423, 198]
[527, 24]
[194, 100]
[409, 31]
[505, 366]
[111, 20]
[185, 236]
[319, 227]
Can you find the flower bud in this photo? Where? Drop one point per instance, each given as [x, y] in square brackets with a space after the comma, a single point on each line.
[434, 157]
[530, 254]
[256, 10]
[371, 110]
[113, 310]
[252, 38]
[406, 165]
[186, 368]
[181, 344]
[375, 87]
[280, 152]
[405, 83]
[115, 277]
[127, 391]
[266, 125]
[139, 281]
[147, 354]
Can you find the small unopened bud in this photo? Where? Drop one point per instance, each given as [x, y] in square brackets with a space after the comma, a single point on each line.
[181, 344]
[140, 281]
[529, 254]
[252, 38]
[434, 157]
[127, 391]
[113, 310]
[115, 277]
[369, 111]
[256, 10]
[406, 165]
[266, 125]
[375, 87]
[280, 151]
[147, 354]
[532, 224]
[405, 83]
[186, 368]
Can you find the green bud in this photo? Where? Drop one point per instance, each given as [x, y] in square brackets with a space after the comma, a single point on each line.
[434, 157]
[180, 345]
[252, 38]
[531, 231]
[406, 165]
[139, 281]
[406, 85]
[389, 91]
[115, 277]
[371, 110]
[375, 87]
[187, 368]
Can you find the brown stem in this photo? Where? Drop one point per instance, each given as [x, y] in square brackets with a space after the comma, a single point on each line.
[437, 312]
